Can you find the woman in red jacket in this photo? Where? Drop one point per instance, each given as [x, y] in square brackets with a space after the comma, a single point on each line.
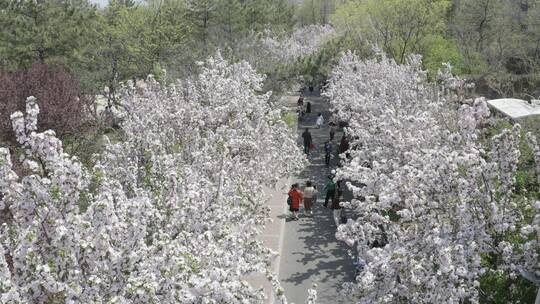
[296, 196]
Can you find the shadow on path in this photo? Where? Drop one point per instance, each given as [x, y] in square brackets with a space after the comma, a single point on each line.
[311, 252]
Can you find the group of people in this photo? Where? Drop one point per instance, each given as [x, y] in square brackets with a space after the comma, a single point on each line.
[298, 197]
[328, 147]
[308, 196]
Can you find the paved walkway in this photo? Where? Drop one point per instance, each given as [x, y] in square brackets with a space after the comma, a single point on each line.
[272, 235]
[310, 250]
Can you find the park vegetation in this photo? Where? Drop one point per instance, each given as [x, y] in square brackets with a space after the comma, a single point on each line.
[496, 43]
[136, 139]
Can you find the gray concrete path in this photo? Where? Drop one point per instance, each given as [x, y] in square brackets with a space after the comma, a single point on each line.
[310, 250]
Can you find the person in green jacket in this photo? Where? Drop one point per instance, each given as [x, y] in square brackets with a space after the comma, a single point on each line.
[330, 188]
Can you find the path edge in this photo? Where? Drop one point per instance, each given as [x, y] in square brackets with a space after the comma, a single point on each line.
[283, 221]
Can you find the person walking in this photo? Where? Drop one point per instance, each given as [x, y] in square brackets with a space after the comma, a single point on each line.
[330, 189]
[327, 152]
[296, 199]
[300, 107]
[342, 149]
[336, 207]
[308, 107]
[333, 119]
[300, 102]
[307, 140]
[309, 195]
[332, 130]
[320, 120]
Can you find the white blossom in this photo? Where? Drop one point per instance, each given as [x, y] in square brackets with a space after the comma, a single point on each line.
[434, 195]
[169, 213]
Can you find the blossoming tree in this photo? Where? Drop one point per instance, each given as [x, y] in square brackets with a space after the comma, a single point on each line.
[168, 214]
[435, 195]
[302, 41]
[276, 54]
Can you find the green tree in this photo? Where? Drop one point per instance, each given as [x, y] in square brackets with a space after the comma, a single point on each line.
[438, 50]
[315, 11]
[281, 15]
[224, 24]
[48, 31]
[400, 27]
[476, 25]
[163, 32]
[230, 16]
[262, 14]
[134, 41]
[500, 41]
[316, 68]
[237, 19]
[201, 15]
[125, 48]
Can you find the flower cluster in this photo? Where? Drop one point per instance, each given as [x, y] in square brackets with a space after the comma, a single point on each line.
[450, 81]
[435, 199]
[169, 213]
[269, 50]
[303, 41]
[276, 54]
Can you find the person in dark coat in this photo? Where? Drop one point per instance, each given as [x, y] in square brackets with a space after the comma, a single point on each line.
[307, 140]
[308, 107]
[327, 152]
[300, 102]
[332, 130]
[300, 107]
[343, 145]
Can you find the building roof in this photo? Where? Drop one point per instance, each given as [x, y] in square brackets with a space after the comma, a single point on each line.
[514, 108]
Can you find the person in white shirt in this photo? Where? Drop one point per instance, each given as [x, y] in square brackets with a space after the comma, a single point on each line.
[320, 120]
[310, 193]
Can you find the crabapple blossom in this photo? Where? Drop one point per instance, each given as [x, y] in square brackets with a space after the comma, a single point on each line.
[276, 53]
[451, 81]
[434, 197]
[312, 294]
[169, 213]
[301, 42]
